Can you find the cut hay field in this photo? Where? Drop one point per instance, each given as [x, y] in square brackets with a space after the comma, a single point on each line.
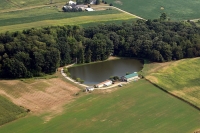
[51, 16]
[181, 78]
[136, 107]
[9, 111]
[175, 9]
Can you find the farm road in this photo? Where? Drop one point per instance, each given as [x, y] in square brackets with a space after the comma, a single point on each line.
[124, 12]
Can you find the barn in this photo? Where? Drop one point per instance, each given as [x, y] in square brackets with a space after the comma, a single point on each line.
[130, 77]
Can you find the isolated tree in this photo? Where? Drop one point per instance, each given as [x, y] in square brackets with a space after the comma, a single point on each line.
[163, 16]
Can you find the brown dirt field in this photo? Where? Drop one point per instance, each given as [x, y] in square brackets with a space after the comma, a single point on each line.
[41, 96]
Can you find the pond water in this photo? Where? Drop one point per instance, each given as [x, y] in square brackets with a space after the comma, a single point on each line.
[98, 72]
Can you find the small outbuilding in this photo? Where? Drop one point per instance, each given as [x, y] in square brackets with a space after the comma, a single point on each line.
[130, 77]
[89, 9]
[104, 84]
[89, 88]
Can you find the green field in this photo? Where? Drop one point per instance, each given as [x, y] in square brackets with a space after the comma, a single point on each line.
[9, 111]
[136, 107]
[175, 9]
[17, 4]
[67, 21]
[181, 78]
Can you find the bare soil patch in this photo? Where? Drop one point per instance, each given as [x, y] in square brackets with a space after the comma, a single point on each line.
[41, 96]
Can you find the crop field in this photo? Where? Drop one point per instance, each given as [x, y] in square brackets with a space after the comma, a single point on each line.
[181, 78]
[9, 111]
[136, 107]
[67, 21]
[175, 9]
[44, 13]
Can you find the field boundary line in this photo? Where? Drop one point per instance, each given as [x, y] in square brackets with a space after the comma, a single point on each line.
[124, 11]
[13, 3]
[187, 102]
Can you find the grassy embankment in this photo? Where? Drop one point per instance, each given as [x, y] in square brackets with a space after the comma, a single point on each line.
[49, 15]
[181, 78]
[175, 10]
[136, 107]
[9, 111]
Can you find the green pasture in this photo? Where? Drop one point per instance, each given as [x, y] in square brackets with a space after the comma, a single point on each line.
[9, 111]
[135, 107]
[151, 9]
[181, 78]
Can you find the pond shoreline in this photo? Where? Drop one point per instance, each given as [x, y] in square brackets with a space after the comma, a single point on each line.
[118, 68]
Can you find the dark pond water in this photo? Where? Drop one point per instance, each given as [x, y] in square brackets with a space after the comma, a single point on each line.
[99, 72]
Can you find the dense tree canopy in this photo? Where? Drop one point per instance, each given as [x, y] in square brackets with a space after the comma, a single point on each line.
[34, 52]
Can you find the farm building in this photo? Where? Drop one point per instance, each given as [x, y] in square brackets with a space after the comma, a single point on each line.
[104, 84]
[89, 9]
[71, 3]
[130, 77]
[89, 88]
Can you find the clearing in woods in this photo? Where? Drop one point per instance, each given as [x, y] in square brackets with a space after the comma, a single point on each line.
[135, 107]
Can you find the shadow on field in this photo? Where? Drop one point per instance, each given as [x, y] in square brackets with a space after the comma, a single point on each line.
[173, 95]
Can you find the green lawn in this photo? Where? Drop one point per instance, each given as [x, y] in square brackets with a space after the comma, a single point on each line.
[136, 107]
[9, 111]
[181, 78]
[151, 9]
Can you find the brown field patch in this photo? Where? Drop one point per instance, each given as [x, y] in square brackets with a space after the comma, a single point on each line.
[41, 96]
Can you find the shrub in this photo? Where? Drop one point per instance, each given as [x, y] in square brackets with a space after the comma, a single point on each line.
[78, 79]
[111, 4]
[105, 2]
[81, 81]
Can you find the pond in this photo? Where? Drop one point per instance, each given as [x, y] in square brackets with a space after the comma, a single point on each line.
[98, 72]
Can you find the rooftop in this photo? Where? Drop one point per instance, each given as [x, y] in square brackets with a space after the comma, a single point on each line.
[131, 75]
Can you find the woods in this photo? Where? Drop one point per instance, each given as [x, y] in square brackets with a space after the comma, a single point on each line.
[34, 52]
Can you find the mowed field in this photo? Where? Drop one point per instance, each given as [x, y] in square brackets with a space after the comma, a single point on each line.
[47, 95]
[181, 78]
[152, 9]
[9, 111]
[135, 107]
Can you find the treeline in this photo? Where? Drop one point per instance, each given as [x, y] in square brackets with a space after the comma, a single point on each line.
[35, 52]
